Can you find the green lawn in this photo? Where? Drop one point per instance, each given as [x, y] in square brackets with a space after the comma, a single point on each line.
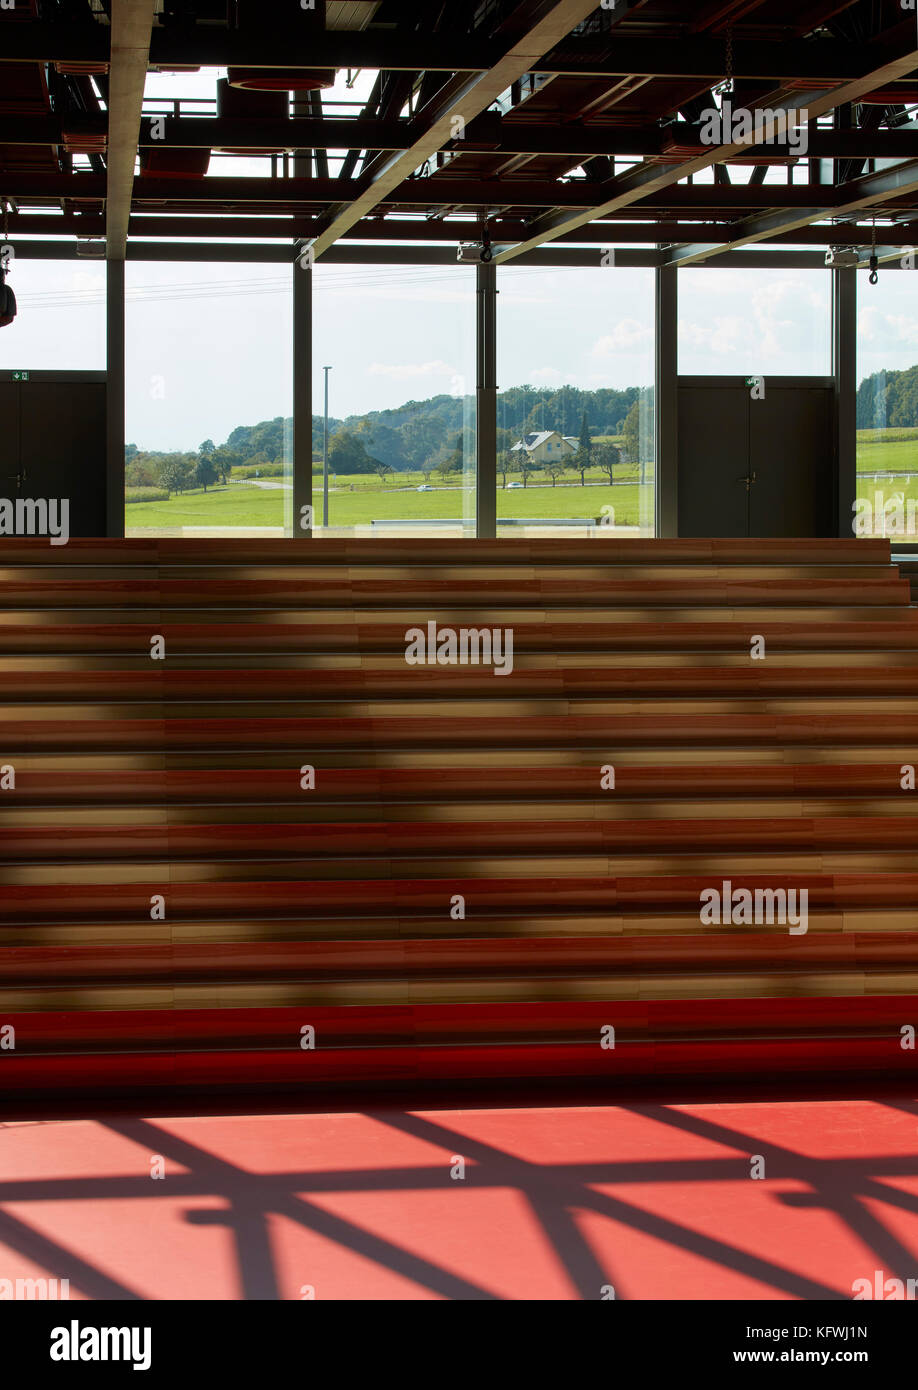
[241, 504]
[887, 454]
[358, 500]
[234, 505]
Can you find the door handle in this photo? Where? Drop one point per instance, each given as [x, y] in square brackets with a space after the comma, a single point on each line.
[748, 480]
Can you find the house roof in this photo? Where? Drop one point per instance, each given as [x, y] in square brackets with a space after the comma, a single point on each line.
[532, 441]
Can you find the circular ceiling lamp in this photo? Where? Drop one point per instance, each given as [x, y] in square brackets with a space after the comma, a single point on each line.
[281, 79]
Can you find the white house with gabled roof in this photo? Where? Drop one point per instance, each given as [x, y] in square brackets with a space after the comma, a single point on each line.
[546, 446]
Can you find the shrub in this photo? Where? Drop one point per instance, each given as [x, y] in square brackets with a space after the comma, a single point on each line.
[264, 470]
[146, 494]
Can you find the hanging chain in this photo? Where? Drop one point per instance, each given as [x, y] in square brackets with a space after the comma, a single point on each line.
[728, 61]
[6, 251]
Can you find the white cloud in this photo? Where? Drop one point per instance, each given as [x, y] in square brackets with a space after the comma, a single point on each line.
[873, 325]
[406, 370]
[625, 336]
[721, 337]
[546, 374]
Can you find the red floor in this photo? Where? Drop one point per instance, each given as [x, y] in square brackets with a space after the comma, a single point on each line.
[557, 1202]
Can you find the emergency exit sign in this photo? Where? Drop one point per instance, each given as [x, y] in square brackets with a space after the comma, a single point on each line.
[20, 376]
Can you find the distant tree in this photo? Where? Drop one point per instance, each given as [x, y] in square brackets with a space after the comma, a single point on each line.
[347, 453]
[224, 460]
[382, 470]
[130, 452]
[525, 465]
[632, 432]
[555, 470]
[505, 462]
[205, 472]
[606, 457]
[383, 443]
[207, 447]
[450, 463]
[175, 472]
[421, 436]
[586, 442]
[141, 471]
[584, 455]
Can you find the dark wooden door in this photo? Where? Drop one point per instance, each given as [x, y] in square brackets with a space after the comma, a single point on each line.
[756, 467]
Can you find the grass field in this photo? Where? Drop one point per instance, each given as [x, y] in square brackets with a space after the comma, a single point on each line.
[888, 454]
[242, 504]
[364, 498]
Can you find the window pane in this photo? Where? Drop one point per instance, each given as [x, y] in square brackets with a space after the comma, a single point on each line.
[208, 398]
[887, 406]
[576, 405]
[60, 325]
[754, 322]
[400, 342]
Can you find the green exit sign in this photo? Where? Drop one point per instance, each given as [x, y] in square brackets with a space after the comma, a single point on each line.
[20, 376]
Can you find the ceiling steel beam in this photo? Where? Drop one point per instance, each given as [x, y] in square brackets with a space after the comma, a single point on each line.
[287, 192]
[402, 230]
[460, 101]
[856, 196]
[287, 196]
[211, 45]
[131, 26]
[651, 177]
[487, 134]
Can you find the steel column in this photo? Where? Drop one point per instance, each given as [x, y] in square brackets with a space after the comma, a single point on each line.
[666, 402]
[114, 397]
[302, 400]
[486, 401]
[844, 367]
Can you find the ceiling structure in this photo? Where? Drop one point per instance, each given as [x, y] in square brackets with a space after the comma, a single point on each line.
[541, 121]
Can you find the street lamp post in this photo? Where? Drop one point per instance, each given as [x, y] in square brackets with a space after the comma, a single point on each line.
[326, 370]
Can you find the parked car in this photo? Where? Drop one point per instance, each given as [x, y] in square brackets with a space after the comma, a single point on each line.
[510, 485]
[425, 487]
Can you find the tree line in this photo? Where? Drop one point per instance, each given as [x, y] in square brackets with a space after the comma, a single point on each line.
[888, 400]
[421, 436]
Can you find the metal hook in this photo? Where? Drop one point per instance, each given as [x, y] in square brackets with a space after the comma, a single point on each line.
[873, 277]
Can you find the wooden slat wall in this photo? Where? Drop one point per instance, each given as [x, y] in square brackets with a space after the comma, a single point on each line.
[331, 908]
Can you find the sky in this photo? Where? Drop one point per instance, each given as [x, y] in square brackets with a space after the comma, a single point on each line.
[209, 345]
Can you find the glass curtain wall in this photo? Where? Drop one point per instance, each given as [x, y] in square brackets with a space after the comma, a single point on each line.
[397, 454]
[575, 451]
